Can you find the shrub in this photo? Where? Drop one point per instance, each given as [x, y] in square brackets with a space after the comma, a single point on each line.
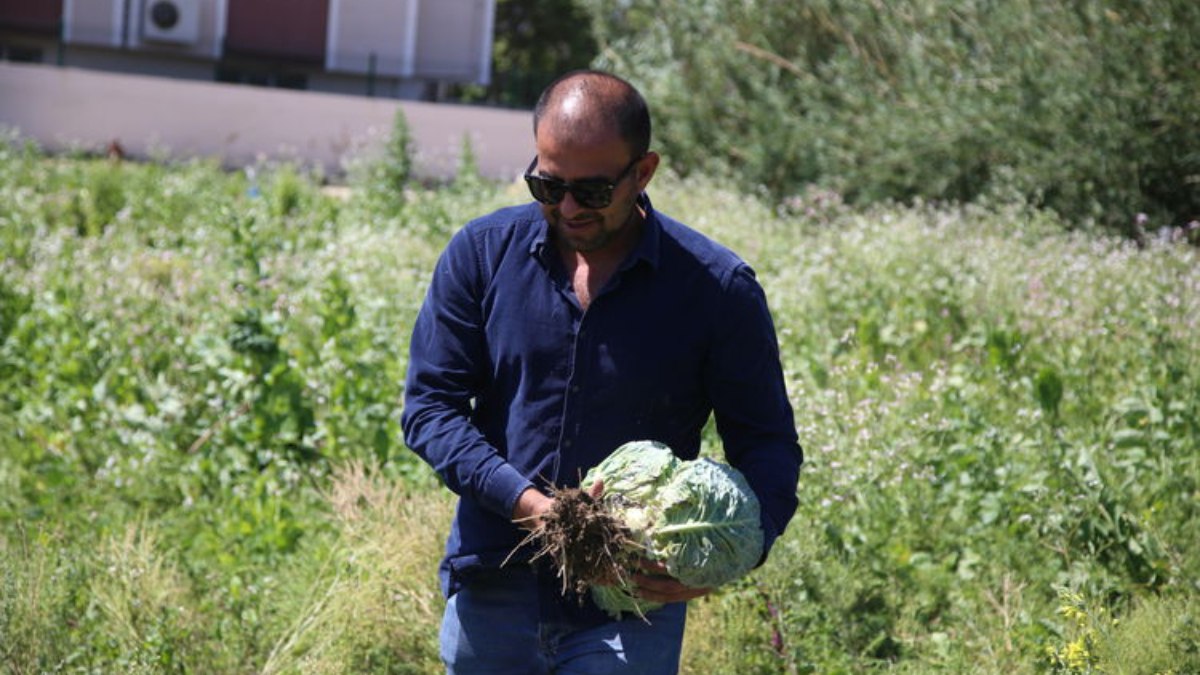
[1089, 108]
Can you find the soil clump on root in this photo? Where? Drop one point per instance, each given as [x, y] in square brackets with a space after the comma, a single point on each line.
[586, 543]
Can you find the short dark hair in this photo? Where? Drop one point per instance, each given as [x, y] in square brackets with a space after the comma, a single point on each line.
[616, 100]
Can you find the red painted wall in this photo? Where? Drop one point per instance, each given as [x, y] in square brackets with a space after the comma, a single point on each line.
[42, 16]
[292, 30]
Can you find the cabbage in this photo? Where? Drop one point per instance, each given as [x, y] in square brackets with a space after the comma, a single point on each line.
[699, 518]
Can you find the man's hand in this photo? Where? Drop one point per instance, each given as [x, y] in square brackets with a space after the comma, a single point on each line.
[655, 585]
[653, 582]
[532, 504]
[529, 508]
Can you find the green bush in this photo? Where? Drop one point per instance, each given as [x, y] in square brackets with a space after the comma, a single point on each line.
[1089, 108]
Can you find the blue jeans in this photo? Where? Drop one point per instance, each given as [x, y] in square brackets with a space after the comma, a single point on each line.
[512, 622]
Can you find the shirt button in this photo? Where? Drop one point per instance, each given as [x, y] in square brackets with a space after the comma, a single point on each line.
[567, 443]
[574, 389]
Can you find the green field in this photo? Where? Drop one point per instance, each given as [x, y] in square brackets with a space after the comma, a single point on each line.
[201, 468]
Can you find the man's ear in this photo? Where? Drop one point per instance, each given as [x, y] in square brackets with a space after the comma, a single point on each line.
[646, 168]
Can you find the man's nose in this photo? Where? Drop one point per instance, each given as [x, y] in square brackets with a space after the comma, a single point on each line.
[568, 207]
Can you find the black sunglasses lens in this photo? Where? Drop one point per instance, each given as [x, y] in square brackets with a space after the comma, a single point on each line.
[545, 190]
[592, 195]
[588, 195]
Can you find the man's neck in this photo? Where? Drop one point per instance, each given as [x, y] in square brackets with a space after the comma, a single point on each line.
[590, 271]
[614, 252]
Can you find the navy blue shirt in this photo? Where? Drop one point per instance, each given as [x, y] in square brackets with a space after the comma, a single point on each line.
[512, 385]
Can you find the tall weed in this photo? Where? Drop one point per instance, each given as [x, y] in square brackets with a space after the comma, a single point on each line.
[377, 606]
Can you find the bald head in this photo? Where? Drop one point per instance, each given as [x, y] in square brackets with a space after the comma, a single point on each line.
[592, 105]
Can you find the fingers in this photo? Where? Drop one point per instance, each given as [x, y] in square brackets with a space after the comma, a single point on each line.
[531, 504]
[596, 489]
[655, 584]
[659, 588]
[653, 567]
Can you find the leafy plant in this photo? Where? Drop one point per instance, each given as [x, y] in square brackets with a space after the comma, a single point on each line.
[391, 174]
[993, 407]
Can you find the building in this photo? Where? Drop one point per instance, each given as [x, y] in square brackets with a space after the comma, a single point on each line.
[407, 49]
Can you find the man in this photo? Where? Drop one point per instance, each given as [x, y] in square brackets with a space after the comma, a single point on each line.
[553, 333]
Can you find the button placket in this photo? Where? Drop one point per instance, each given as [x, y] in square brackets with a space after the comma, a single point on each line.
[568, 427]
[574, 395]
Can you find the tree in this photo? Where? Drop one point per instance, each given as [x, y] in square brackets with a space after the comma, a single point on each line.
[535, 41]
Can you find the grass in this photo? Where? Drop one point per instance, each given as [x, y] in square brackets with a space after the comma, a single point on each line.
[201, 468]
[376, 607]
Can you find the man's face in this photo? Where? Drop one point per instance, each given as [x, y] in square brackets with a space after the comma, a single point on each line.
[575, 226]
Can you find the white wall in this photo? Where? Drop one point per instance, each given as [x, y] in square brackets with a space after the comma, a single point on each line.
[454, 39]
[359, 29]
[66, 107]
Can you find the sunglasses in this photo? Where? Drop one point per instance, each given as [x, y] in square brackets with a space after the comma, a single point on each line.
[590, 193]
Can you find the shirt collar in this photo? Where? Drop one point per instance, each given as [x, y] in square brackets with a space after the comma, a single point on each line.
[650, 245]
[647, 249]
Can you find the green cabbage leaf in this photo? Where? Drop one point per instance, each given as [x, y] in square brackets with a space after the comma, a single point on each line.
[698, 518]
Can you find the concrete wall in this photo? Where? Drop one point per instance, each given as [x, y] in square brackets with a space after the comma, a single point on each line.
[99, 22]
[448, 41]
[359, 29]
[64, 108]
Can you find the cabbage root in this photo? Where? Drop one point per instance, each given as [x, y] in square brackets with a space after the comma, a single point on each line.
[587, 544]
